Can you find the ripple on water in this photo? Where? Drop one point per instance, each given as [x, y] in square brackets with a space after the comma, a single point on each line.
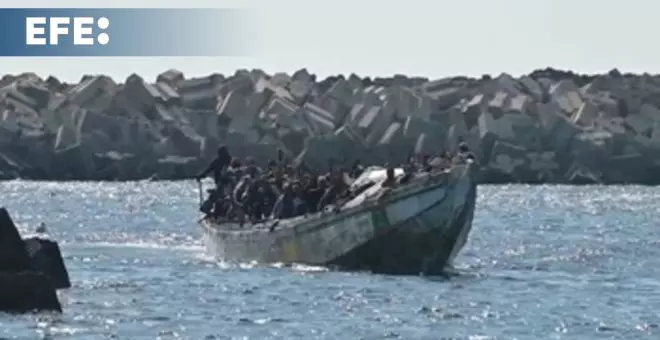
[543, 262]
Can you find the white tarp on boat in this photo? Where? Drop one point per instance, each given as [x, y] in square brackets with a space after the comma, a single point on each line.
[374, 175]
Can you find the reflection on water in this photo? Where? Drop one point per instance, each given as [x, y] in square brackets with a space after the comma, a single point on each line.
[543, 262]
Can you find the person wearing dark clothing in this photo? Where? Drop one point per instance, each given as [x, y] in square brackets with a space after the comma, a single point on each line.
[464, 153]
[426, 164]
[299, 206]
[217, 167]
[390, 181]
[313, 193]
[241, 189]
[284, 207]
[335, 191]
[259, 199]
[264, 205]
[357, 169]
[235, 170]
[408, 173]
[209, 205]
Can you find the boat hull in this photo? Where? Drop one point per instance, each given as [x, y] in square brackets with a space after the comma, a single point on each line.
[417, 231]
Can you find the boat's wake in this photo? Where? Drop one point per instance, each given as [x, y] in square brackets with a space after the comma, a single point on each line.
[146, 245]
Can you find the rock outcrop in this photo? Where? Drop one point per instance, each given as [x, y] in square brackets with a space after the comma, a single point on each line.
[30, 271]
[548, 126]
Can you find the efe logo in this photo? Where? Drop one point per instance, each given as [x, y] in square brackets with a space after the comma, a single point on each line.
[82, 30]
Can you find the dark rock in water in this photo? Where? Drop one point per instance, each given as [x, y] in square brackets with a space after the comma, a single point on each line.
[46, 258]
[29, 276]
[13, 255]
[24, 292]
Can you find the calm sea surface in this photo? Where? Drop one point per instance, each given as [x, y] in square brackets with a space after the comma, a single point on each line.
[543, 262]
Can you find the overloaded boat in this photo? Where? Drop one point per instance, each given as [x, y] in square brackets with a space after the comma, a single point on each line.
[410, 229]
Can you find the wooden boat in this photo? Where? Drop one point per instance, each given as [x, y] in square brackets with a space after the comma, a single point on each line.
[416, 228]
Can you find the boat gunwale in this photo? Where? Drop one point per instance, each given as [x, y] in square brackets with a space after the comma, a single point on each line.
[321, 220]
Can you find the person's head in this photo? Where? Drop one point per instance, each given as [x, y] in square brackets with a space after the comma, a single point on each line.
[222, 151]
[235, 163]
[252, 171]
[463, 147]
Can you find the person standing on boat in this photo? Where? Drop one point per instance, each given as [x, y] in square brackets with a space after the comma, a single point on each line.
[217, 167]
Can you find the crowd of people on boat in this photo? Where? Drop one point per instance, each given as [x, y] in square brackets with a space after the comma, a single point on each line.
[245, 192]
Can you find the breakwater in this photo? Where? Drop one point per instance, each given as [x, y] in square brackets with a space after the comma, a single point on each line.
[549, 126]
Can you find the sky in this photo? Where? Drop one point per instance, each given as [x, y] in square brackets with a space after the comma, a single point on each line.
[430, 38]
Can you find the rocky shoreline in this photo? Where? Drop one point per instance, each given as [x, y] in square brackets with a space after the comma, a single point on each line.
[549, 126]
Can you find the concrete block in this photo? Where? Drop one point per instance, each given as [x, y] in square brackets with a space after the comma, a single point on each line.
[342, 91]
[96, 86]
[232, 106]
[543, 163]
[186, 141]
[73, 162]
[392, 135]
[280, 79]
[533, 88]
[448, 97]
[414, 127]
[497, 106]
[168, 94]
[65, 138]
[569, 102]
[280, 107]
[337, 108]
[426, 146]
[36, 91]
[319, 120]
[171, 77]
[567, 95]
[438, 85]
[456, 132]
[350, 138]
[10, 121]
[246, 120]
[300, 91]
[473, 109]
[592, 148]
[507, 158]
[302, 75]
[19, 102]
[640, 124]
[586, 115]
[356, 113]
[265, 85]
[376, 121]
[518, 104]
